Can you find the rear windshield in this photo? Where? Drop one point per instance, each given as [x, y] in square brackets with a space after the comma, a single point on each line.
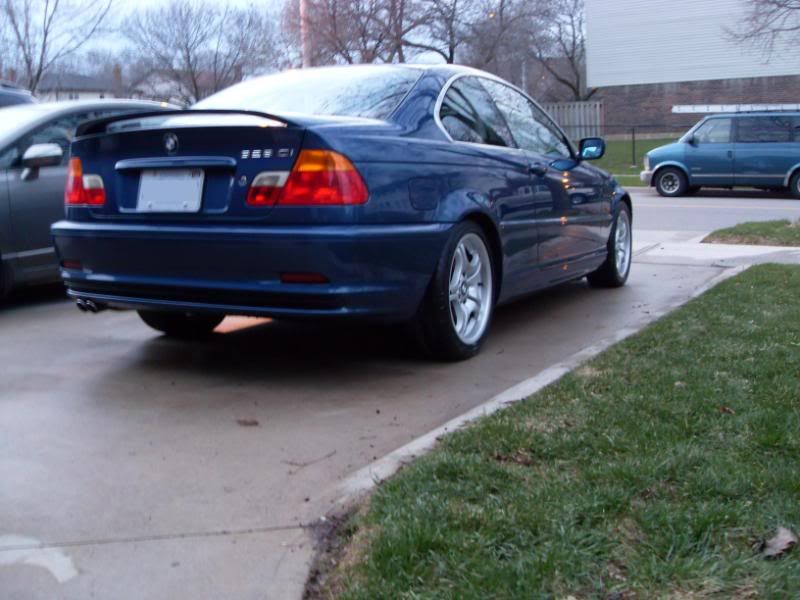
[364, 91]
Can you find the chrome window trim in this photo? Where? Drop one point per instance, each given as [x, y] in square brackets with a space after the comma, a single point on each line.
[481, 75]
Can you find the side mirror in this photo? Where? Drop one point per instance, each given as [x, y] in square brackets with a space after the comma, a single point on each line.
[592, 148]
[693, 141]
[42, 155]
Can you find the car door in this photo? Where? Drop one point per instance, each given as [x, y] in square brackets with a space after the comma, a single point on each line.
[36, 198]
[764, 150]
[710, 153]
[6, 243]
[469, 115]
[573, 216]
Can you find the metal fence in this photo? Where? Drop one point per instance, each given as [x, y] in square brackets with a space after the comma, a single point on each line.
[579, 119]
[627, 142]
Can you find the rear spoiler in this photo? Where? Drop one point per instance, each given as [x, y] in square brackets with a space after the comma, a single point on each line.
[99, 125]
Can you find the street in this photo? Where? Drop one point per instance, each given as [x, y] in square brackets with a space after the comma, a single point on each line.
[710, 209]
[132, 466]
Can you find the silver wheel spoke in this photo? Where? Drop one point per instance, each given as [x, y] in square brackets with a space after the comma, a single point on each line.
[461, 318]
[458, 267]
[474, 277]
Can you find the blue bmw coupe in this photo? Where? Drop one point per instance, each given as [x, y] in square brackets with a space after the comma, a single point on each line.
[394, 193]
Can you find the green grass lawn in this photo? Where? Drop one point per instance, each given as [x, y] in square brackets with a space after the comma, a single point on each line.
[767, 233]
[617, 159]
[651, 472]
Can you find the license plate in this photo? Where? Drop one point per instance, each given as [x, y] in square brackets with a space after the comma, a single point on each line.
[170, 190]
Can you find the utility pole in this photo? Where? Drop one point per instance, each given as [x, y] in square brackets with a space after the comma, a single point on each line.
[305, 34]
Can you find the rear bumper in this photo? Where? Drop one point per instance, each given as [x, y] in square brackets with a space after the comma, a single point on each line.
[373, 271]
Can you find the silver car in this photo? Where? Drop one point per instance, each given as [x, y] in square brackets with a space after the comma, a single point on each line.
[34, 149]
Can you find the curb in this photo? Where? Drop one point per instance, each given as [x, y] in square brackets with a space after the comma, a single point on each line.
[344, 494]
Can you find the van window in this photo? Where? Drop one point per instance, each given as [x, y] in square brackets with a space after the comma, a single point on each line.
[764, 130]
[714, 131]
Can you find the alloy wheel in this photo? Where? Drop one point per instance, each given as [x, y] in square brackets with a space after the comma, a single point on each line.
[470, 288]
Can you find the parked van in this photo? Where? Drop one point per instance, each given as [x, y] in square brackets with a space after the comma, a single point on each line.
[758, 149]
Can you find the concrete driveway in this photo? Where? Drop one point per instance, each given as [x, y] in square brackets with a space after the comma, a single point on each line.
[132, 466]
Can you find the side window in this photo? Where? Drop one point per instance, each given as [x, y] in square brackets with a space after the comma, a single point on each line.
[751, 130]
[714, 131]
[469, 114]
[531, 127]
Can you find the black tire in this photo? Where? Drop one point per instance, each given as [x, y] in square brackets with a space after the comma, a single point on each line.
[671, 182]
[181, 324]
[6, 279]
[435, 321]
[608, 275]
[794, 185]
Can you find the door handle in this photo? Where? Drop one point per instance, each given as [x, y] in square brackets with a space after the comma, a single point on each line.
[538, 169]
[730, 153]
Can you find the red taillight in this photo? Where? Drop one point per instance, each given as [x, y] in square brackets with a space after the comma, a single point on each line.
[303, 278]
[266, 188]
[319, 178]
[83, 190]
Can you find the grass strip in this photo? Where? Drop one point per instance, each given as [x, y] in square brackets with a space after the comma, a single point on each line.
[651, 472]
[761, 233]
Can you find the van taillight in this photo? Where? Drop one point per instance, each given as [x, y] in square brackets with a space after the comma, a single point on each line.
[318, 178]
[83, 190]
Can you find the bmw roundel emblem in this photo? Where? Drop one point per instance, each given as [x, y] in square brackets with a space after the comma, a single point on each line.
[171, 143]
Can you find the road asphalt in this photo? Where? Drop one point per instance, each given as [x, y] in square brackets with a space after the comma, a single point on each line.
[132, 466]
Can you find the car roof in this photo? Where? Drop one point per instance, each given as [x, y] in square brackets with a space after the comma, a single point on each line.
[445, 69]
[758, 113]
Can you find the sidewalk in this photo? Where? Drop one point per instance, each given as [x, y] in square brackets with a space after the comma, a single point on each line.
[685, 247]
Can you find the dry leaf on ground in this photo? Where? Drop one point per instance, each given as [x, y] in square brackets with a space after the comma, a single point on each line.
[779, 545]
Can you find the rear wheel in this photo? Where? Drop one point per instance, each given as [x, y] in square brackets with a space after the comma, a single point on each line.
[456, 312]
[181, 324]
[614, 271]
[794, 186]
[671, 182]
[5, 278]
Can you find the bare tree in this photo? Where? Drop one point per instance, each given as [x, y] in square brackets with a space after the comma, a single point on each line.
[442, 27]
[501, 34]
[200, 48]
[349, 31]
[43, 32]
[769, 21]
[561, 48]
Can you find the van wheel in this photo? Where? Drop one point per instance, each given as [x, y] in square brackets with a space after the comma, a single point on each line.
[794, 186]
[671, 182]
[614, 271]
[181, 324]
[457, 309]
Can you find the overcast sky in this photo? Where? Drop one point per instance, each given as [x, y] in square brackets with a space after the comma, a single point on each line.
[117, 42]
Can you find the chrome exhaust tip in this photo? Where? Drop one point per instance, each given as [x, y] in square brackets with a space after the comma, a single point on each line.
[90, 306]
